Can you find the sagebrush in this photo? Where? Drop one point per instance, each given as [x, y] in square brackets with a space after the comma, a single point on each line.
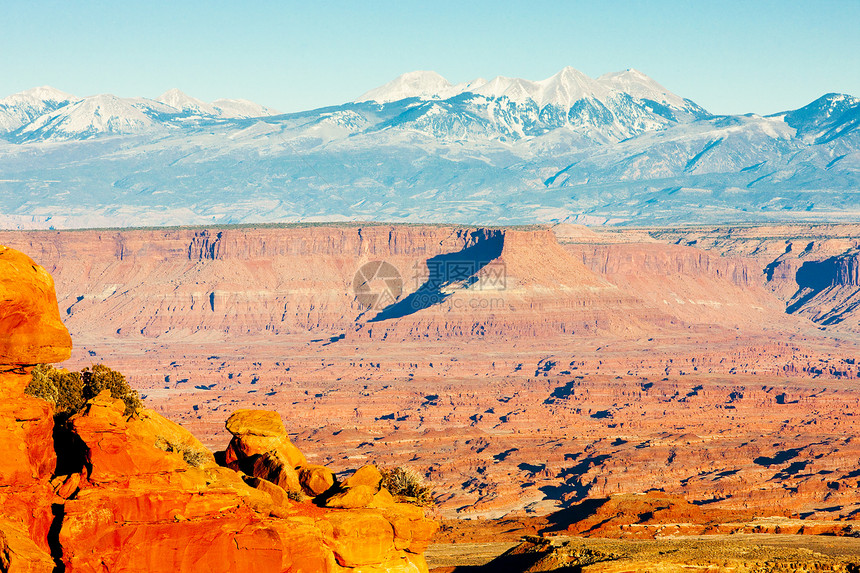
[193, 457]
[69, 391]
[408, 484]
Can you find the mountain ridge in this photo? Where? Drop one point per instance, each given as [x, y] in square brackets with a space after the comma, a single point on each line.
[569, 148]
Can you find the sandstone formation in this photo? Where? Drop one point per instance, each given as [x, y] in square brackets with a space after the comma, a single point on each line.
[30, 332]
[136, 492]
[610, 363]
[484, 283]
[29, 318]
[811, 268]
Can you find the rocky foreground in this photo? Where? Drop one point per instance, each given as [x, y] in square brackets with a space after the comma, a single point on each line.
[119, 490]
[712, 554]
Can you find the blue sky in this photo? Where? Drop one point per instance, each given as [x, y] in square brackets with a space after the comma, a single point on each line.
[729, 57]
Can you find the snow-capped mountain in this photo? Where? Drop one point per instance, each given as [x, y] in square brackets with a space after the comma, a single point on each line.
[185, 103]
[224, 108]
[618, 149]
[20, 109]
[563, 89]
[419, 84]
[241, 109]
[610, 108]
[47, 114]
[829, 117]
[94, 116]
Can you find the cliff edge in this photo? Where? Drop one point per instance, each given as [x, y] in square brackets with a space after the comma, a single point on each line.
[114, 489]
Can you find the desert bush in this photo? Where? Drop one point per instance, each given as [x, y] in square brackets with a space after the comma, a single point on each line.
[193, 457]
[69, 391]
[42, 384]
[409, 484]
[100, 377]
[63, 388]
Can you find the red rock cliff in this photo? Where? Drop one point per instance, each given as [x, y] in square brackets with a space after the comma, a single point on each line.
[135, 492]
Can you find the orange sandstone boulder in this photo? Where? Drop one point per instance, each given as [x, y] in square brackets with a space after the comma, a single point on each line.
[117, 446]
[352, 498]
[30, 327]
[259, 432]
[360, 537]
[316, 480]
[412, 531]
[358, 490]
[272, 467]
[368, 475]
[383, 498]
[279, 495]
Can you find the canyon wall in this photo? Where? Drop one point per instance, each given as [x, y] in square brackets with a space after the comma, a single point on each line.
[518, 371]
[813, 269]
[455, 282]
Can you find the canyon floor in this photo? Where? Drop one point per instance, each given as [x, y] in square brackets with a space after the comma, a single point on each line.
[655, 382]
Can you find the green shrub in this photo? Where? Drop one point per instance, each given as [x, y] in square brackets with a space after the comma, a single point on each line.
[69, 391]
[42, 385]
[100, 378]
[409, 484]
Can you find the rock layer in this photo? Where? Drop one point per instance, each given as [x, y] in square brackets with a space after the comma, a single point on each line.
[144, 494]
[617, 364]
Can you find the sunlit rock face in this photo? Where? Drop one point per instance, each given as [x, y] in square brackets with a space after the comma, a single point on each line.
[30, 328]
[115, 488]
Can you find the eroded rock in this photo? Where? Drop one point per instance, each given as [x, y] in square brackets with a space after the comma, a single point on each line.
[139, 493]
[30, 328]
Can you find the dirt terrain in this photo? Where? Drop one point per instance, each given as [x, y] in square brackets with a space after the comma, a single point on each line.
[711, 554]
[523, 371]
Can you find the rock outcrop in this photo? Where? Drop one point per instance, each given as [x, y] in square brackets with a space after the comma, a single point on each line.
[132, 491]
[813, 269]
[30, 332]
[29, 317]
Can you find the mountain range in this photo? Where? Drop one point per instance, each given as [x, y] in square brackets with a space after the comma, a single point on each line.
[618, 149]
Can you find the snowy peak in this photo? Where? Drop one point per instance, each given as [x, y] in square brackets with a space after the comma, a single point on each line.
[420, 84]
[827, 107]
[43, 94]
[224, 108]
[241, 108]
[562, 89]
[567, 87]
[830, 116]
[89, 117]
[640, 86]
[185, 103]
[46, 113]
[21, 108]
